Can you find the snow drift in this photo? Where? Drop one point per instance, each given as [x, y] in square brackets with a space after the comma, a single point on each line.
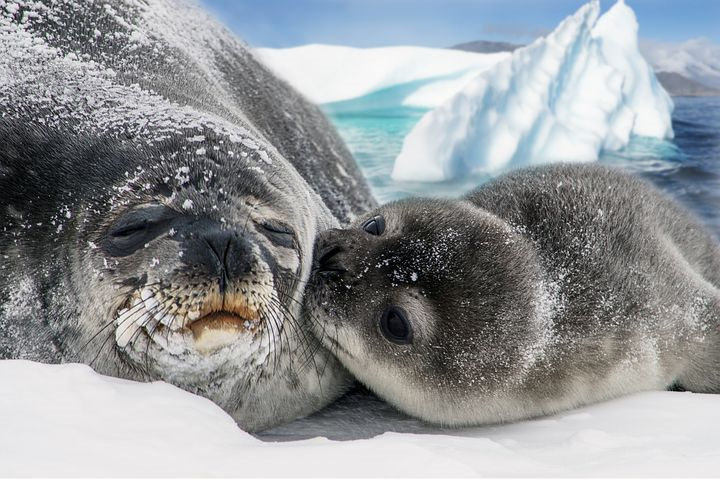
[582, 89]
[66, 420]
[329, 73]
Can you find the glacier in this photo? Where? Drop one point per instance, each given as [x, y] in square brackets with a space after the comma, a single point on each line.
[423, 77]
[582, 89]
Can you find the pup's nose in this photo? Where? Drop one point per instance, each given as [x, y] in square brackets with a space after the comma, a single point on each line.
[329, 261]
[329, 255]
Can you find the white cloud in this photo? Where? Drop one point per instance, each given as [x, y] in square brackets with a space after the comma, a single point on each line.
[697, 58]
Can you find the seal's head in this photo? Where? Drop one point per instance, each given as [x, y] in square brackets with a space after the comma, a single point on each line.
[431, 303]
[184, 261]
[160, 193]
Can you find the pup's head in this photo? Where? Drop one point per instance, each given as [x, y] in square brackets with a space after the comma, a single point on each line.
[430, 303]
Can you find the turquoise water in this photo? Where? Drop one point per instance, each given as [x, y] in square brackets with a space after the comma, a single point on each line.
[375, 138]
[688, 167]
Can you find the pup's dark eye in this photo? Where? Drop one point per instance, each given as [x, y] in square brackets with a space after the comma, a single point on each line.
[375, 226]
[134, 228]
[279, 233]
[395, 326]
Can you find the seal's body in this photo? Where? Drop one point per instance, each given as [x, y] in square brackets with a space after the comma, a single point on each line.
[545, 289]
[160, 193]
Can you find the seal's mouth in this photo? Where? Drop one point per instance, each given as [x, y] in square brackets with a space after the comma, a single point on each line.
[179, 322]
[218, 321]
[220, 328]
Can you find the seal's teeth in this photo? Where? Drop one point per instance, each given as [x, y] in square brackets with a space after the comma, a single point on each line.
[124, 333]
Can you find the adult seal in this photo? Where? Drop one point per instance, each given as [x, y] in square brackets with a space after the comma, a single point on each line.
[543, 290]
[160, 193]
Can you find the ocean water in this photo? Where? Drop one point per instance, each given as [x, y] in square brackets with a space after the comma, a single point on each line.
[687, 167]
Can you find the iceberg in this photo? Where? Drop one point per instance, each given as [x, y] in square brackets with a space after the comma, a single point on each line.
[582, 89]
[329, 73]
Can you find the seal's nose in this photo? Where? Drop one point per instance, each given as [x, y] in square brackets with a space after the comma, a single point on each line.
[219, 244]
[228, 255]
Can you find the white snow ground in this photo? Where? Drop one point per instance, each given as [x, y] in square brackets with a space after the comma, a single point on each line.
[66, 420]
[567, 97]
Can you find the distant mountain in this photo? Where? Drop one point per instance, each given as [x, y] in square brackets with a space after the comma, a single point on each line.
[680, 86]
[483, 46]
[675, 84]
[697, 59]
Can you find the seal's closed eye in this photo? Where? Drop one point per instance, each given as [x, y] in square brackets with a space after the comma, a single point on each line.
[395, 326]
[129, 230]
[279, 233]
[134, 228]
[375, 226]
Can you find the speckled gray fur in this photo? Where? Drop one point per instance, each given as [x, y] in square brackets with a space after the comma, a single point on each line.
[545, 289]
[106, 107]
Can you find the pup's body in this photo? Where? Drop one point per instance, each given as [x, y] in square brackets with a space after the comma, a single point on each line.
[546, 289]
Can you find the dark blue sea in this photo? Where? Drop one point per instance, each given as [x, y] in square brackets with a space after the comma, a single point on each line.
[687, 167]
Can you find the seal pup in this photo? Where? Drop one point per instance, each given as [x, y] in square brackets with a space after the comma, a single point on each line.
[545, 289]
[160, 194]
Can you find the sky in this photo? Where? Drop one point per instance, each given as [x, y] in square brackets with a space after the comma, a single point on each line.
[442, 23]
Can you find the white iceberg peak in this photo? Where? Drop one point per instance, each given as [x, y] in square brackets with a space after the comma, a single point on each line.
[566, 97]
[617, 32]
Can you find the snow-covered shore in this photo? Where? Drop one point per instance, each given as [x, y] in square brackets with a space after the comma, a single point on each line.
[66, 420]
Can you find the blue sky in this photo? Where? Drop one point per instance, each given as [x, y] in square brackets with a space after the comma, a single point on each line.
[441, 23]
